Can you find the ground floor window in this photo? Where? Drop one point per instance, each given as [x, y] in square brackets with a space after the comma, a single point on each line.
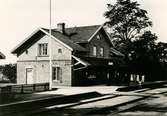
[57, 73]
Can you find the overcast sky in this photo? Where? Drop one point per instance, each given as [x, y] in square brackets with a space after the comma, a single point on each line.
[19, 18]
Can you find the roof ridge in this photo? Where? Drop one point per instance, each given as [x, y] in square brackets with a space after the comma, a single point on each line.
[83, 26]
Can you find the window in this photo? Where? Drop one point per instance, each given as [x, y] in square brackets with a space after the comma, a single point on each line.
[98, 37]
[57, 73]
[94, 51]
[43, 49]
[101, 51]
[59, 50]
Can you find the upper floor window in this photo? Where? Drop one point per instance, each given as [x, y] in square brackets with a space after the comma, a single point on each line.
[94, 50]
[98, 37]
[43, 49]
[101, 51]
[59, 50]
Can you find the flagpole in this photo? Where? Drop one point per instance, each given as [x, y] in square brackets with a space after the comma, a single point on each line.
[50, 44]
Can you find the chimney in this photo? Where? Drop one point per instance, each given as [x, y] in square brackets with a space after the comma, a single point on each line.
[61, 27]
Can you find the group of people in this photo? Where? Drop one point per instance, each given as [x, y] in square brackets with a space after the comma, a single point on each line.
[137, 78]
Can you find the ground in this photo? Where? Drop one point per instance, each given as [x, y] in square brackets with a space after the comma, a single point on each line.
[146, 102]
[101, 101]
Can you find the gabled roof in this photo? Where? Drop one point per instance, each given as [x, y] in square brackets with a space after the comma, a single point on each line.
[2, 56]
[83, 33]
[27, 41]
[63, 39]
[70, 39]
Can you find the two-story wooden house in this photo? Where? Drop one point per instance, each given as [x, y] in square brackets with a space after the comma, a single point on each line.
[80, 56]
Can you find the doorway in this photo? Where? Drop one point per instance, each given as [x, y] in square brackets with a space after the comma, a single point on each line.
[29, 76]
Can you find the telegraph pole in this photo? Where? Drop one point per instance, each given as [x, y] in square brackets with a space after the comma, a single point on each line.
[50, 44]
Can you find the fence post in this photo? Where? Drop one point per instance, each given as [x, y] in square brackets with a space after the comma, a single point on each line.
[22, 89]
[34, 87]
[45, 86]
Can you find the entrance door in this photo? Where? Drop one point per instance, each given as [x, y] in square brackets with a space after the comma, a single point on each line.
[29, 76]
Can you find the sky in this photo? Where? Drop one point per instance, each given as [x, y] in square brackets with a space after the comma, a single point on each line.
[19, 18]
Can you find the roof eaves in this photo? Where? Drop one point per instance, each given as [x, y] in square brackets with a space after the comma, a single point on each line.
[81, 61]
[79, 48]
[81, 42]
[14, 49]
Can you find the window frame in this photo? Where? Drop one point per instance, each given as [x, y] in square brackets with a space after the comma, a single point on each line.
[43, 49]
[57, 74]
[59, 50]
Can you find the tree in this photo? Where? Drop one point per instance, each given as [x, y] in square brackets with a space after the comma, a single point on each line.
[145, 46]
[144, 50]
[127, 21]
[9, 70]
[130, 35]
[161, 50]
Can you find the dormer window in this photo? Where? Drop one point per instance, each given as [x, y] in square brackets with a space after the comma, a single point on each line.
[43, 49]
